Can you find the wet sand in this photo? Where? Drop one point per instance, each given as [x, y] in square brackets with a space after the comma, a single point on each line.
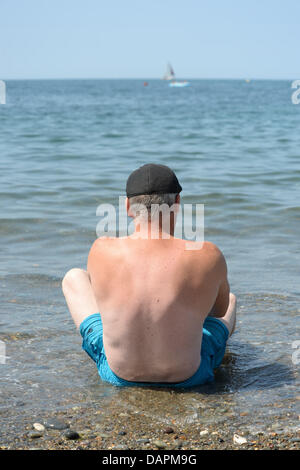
[156, 419]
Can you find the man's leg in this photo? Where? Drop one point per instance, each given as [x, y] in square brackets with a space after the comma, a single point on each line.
[79, 295]
[229, 318]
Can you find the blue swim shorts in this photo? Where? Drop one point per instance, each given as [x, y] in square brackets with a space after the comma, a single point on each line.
[215, 335]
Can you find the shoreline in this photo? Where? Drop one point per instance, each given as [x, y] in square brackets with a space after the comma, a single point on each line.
[114, 427]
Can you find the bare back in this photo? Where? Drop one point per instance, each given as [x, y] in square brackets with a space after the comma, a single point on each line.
[153, 297]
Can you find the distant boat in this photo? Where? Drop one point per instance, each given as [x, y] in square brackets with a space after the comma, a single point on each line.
[180, 84]
[247, 80]
[170, 76]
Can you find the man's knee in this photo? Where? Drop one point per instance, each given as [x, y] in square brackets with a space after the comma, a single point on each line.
[73, 279]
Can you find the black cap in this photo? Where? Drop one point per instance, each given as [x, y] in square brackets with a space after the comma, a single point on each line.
[152, 179]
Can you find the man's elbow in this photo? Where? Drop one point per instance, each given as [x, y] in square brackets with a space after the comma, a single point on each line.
[220, 311]
[222, 303]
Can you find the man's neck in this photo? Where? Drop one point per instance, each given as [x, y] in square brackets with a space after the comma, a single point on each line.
[154, 230]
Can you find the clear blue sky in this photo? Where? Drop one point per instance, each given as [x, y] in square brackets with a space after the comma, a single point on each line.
[135, 38]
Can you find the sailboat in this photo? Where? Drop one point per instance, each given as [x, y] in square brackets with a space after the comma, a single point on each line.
[170, 76]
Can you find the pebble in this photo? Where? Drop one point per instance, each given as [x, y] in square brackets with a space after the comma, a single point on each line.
[204, 433]
[274, 426]
[178, 443]
[168, 430]
[39, 427]
[85, 444]
[143, 441]
[122, 433]
[35, 434]
[71, 435]
[239, 439]
[160, 444]
[55, 424]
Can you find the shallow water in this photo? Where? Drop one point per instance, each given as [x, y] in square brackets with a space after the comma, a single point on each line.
[66, 147]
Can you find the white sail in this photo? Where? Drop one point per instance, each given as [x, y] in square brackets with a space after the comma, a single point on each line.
[170, 74]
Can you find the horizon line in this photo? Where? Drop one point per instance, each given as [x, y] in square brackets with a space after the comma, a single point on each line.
[151, 78]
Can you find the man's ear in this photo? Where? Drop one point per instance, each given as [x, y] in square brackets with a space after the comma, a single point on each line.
[177, 199]
[127, 206]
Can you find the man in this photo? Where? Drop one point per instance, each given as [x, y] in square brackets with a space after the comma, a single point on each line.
[151, 309]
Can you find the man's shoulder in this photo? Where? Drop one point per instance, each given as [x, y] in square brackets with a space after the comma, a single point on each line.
[102, 251]
[205, 247]
[212, 248]
[103, 245]
[208, 256]
[101, 240]
[216, 257]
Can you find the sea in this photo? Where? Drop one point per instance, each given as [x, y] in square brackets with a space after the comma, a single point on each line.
[67, 146]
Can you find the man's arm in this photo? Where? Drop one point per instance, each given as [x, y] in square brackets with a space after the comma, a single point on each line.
[225, 304]
[91, 257]
[221, 304]
[222, 301]
[96, 250]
